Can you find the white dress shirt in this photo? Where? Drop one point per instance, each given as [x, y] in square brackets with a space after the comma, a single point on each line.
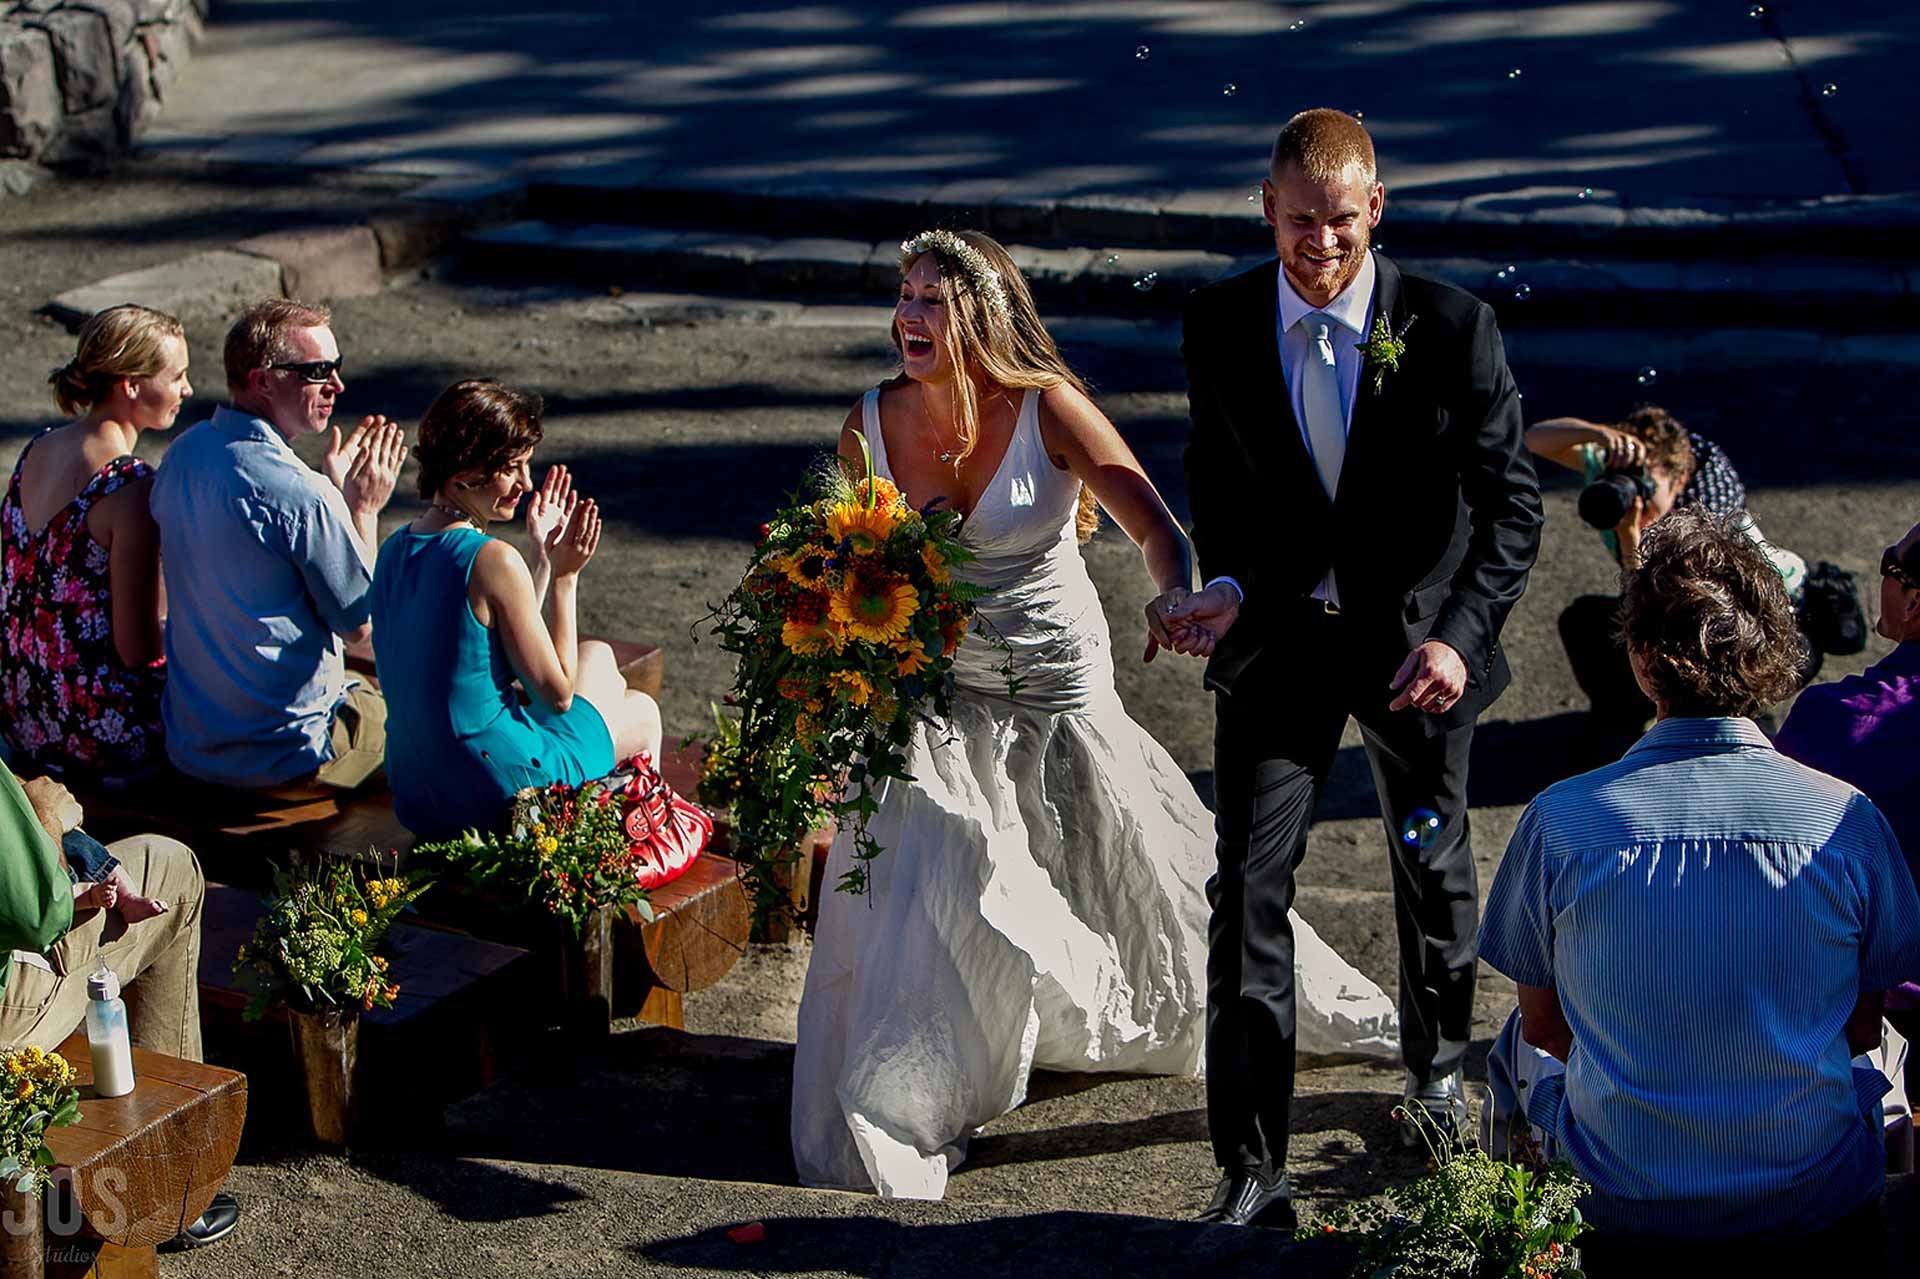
[1351, 312]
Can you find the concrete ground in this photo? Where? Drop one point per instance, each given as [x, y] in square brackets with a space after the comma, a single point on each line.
[1651, 99]
[689, 424]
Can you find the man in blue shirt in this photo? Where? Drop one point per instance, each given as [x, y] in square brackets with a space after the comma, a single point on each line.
[1702, 933]
[268, 564]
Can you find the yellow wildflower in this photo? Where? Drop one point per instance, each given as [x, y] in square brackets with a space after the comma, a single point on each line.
[851, 685]
[936, 564]
[913, 658]
[357, 917]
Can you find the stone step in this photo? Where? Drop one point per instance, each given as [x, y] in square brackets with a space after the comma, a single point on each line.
[1526, 292]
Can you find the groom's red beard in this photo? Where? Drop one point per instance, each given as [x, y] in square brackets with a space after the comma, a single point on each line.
[1335, 276]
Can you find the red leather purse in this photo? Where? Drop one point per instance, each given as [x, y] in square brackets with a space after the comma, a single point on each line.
[667, 831]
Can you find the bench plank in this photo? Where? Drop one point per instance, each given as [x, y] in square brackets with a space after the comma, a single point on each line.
[146, 1165]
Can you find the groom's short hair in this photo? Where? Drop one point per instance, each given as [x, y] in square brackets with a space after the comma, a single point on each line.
[1324, 143]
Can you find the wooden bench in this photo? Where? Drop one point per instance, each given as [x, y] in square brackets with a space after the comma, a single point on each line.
[143, 1167]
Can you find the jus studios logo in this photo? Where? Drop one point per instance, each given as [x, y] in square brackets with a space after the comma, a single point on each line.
[61, 1215]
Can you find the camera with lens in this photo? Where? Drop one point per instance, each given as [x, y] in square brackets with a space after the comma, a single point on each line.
[1606, 501]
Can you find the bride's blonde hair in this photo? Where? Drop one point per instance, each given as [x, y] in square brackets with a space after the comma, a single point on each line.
[993, 335]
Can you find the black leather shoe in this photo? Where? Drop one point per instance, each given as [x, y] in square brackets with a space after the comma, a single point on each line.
[1242, 1199]
[213, 1225]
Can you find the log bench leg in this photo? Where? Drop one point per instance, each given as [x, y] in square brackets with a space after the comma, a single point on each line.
[665, 1007]
[76, 1258]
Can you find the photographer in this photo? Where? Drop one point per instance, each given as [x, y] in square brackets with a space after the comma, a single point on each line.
[1637, 472]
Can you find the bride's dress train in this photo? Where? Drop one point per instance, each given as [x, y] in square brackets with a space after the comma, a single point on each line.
[1041, 897]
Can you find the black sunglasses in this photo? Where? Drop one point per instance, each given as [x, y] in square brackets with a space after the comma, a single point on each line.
[315, 371]
[1890, 566]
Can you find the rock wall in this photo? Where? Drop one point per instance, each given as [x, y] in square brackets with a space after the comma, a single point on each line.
[79, 79]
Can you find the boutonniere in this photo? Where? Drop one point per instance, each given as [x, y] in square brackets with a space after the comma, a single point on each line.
[1381, 353]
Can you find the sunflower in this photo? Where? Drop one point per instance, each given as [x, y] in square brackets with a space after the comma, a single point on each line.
[866, 530]
[852, 685]
[913, 658]
[936, 564]
[806, 568]
[809, 629]
[874, 604]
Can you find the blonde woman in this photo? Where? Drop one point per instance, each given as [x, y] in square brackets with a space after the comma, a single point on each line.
[81, 668]
[1040, 901]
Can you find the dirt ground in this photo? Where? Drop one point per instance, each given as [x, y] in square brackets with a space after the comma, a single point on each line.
[687, 433]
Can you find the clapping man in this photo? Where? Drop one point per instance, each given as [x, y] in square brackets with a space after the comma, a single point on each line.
[268, 566]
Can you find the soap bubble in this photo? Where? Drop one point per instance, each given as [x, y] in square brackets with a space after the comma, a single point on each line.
[1647, 376]
[1521, 292]
[1514, 74]
[1359, 115]
[1297, 24]
[1146, 282]
[1829, 89]
[1253, 196]
[1586, 193]
[1112, 258]
[1504, 273]
[1758, 11]
[1228, 89]
[1142, 53]
[1421, 828]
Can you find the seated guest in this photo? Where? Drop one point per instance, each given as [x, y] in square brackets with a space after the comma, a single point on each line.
[1865, 730]
[456, 620]
[268, 566]
[57, 943]
[1672, 469]
[80, 652]
[1702, 933]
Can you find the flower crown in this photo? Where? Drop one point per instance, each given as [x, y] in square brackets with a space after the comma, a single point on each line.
[980, 273]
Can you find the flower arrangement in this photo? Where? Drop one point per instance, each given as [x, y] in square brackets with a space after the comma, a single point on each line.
[1471, 1215]
[566, 846]
[317, 948]
[1380, 353]
[37, 1092]
[845, 625]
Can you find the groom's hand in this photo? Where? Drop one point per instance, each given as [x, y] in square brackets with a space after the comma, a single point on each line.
[1431, 679]
[1193, 623]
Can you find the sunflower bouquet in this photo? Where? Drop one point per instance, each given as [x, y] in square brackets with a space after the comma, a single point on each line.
[318, 946]
[37, 1092]
[846, 625]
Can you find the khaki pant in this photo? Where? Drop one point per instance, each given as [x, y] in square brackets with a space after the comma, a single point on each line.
[157, 961]
[359, 740]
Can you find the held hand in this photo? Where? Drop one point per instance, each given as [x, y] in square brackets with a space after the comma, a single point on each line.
[548, 511]
[1196, 622]
[576, 543]
[376, 467]
[1431, 679]
[341, 455]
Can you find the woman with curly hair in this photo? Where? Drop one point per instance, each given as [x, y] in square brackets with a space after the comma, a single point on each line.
[457, 620]
[1041, 899]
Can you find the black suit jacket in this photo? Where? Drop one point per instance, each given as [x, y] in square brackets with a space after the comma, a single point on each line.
[1437, 518]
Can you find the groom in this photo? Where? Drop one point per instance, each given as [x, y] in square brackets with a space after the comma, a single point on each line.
[1365, 520]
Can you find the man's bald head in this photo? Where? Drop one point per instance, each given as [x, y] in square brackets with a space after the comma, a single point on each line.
[1324, 144]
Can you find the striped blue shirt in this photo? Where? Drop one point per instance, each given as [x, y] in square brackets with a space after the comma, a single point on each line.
[1708, 912]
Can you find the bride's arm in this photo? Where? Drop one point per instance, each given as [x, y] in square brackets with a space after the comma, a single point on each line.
[1079, 437]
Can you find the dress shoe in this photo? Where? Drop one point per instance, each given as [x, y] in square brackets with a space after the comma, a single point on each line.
[1436, 1112]
[213, 1225]
[1243, 1199]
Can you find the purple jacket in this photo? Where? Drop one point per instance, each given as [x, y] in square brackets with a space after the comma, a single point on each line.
[1865, 730]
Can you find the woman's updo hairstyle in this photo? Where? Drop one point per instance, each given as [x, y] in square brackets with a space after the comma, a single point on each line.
[476, 425]
[125, 341]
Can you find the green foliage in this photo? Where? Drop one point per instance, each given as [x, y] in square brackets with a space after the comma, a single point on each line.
[318, 946]
[565, 851]
[1470, 1217]
[1380, 353]
[37, 1092]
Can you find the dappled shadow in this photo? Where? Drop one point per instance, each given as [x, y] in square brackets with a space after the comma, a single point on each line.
[1462, 98]
[469, 1191]
[993, 1150]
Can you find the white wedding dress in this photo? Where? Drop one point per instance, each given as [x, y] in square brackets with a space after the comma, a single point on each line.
[1041, 897]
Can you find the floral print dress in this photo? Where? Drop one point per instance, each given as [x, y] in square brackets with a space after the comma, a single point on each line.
[67, 701]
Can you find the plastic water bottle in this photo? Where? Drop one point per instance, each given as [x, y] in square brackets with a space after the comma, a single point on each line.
[107, 1036]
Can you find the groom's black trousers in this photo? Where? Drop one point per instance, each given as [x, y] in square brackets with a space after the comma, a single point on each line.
[1275, 740]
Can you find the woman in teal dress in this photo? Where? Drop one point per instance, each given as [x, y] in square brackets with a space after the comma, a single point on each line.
[457, 620]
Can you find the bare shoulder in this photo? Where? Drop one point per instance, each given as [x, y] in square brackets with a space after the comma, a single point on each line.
[1067, 412]
[499, 564]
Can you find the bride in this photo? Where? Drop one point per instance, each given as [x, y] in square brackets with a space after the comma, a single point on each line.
[1040, 901]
